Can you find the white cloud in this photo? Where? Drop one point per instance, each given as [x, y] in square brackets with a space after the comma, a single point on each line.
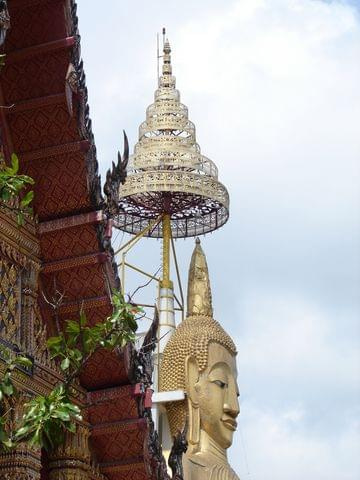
[276, 447]
[284, 338]
[299, 392]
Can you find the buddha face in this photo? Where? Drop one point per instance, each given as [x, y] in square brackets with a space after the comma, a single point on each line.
[216, 394]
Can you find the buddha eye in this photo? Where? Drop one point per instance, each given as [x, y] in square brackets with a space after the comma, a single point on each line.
[220, 383]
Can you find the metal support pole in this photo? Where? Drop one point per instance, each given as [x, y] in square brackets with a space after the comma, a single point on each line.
[166, 315]
[166, 224]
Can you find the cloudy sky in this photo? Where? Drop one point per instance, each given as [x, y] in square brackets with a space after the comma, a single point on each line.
[273, 88]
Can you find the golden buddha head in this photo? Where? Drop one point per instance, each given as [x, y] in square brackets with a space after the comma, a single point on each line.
[200, 359]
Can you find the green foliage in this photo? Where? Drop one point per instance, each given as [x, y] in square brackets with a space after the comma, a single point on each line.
[78, 340]
[8, 392]
[48, 417]
[11, 185]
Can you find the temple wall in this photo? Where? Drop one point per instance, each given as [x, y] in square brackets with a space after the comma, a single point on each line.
[22, 329]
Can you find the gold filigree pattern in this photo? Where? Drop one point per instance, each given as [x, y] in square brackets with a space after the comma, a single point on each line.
[168, 173]
[9, 300]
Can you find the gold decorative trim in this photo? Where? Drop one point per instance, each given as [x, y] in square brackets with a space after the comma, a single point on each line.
[19, 243]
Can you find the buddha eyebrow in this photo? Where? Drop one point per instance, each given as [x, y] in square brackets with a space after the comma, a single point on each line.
[220, 365]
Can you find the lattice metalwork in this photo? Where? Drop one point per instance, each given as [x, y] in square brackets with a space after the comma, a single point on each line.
[167, 172]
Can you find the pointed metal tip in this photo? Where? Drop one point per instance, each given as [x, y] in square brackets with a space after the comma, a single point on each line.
[197, 241]
[167, 48]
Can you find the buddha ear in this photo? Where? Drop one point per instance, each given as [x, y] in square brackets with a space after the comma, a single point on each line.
[191, 379]
[191, 382]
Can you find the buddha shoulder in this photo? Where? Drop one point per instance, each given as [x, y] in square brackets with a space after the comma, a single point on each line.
[201, 470]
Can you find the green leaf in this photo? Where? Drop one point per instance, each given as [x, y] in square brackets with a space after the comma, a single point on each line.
[35, 439]
[62, 415]
[76, 355]
[83, 320]
[3, 435]
[73, 408]
[20, 218]
[23, 361]
[55, 345]
[71, 427]
[65, 364]
[51, 341]
[8, 443]
[27, 179]
[14, 163]
[22, 431]
[7, 386]
[27, 199]
[72, 327]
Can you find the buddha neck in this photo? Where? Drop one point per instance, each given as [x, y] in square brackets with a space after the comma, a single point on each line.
[208, 446]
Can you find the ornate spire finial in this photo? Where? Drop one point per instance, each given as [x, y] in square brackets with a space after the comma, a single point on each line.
[199, 291]
[167, 48]
[167, 172]
[166, 69]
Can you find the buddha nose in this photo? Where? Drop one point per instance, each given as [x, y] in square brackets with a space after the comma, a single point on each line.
[231, 404]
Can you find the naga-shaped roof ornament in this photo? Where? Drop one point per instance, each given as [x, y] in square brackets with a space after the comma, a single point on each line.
[167, 174]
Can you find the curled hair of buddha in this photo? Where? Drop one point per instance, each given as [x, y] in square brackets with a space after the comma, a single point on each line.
[191, 339]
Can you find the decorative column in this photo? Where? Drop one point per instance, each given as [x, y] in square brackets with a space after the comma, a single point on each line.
[71, 461]
[23, 463]
[19, 250]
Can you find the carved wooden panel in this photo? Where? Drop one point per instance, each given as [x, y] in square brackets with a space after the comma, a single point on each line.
[113, 404]
[42, 127]
[76, 283]
[35, 24]
[104, 369]
[36, 76]
[118, 441]
[126, 472]
[73, 242]
[60, 185]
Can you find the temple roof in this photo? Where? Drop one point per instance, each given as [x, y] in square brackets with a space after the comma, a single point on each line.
[46, 122]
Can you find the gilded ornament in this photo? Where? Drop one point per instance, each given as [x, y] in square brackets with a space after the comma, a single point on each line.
[167, 172]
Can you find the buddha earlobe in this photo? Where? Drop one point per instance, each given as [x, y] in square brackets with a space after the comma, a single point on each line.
[194, 426]
[191, 379]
